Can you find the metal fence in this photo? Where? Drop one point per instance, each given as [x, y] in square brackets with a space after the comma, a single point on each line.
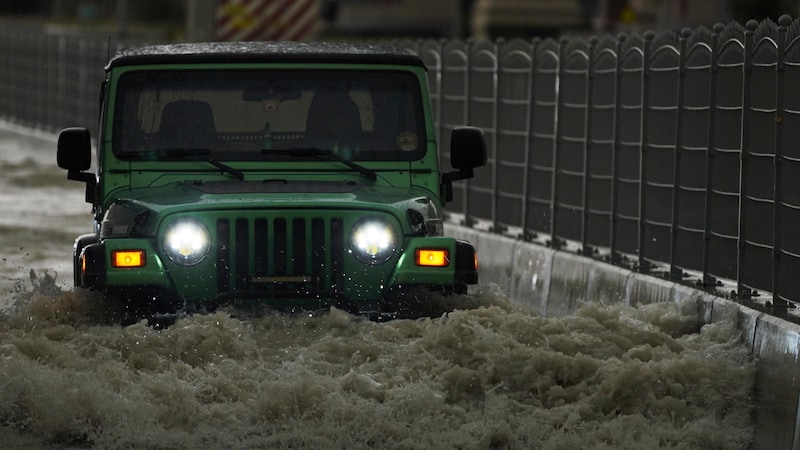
[50, 77]
[672, 153]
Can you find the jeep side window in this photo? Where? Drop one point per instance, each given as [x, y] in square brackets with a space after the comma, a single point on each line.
[242, 115]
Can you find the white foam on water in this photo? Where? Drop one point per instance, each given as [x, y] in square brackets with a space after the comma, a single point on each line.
[487, 375]
[605, 377]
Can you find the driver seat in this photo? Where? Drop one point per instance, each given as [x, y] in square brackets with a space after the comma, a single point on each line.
[333, 120]
[188, 124]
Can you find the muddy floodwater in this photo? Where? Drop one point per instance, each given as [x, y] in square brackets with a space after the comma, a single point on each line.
[488, 375]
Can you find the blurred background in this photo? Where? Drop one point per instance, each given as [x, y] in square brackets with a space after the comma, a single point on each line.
[211, 20]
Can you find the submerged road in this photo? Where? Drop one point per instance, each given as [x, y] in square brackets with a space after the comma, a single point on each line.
[485, 376]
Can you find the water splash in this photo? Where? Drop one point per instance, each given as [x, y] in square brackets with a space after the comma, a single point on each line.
[489, 375]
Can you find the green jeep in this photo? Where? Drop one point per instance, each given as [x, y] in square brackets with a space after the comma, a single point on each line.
[297, 176]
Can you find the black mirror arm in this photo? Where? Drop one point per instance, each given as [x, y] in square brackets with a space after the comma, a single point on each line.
[449, 177]
[88, 178]
[462, 174]
[81, 176]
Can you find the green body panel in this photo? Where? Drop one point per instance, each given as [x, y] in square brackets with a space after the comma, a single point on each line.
[152, 274]
[408, 273]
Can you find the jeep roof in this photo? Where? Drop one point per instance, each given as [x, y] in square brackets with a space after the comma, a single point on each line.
[272, 51]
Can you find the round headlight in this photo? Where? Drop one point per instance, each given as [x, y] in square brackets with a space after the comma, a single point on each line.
[373, 240]
[187, 242]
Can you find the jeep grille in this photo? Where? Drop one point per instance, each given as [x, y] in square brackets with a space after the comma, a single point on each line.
[280, 256]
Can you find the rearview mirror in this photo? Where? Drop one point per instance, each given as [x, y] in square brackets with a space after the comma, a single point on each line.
[275, 91]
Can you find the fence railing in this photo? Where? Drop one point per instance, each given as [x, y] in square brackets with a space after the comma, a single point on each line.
[672, 153]
[50, 77]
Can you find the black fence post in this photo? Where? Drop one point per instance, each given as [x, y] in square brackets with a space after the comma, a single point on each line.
[675, 272]
[642, 264]
[529, 234]
[777, 300]
[586, 249]
[495, 227]
[614, 256]
[707, 279]
[555, 241]
[468, 220]
[750, 29]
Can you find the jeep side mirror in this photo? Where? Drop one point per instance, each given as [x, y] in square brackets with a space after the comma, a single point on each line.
[75, 154]
[467, 151]
[74, 149]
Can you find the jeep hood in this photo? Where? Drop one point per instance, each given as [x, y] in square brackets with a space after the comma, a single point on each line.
[204, 196]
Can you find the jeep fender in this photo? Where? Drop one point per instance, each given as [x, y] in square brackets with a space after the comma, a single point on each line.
[461, 270]
[77, 248]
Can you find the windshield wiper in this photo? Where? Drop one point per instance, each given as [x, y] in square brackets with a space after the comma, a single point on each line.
[199, 154]
[226, 168]
[310, 152]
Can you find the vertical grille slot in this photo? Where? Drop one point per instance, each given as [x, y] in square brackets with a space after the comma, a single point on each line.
[260, 248]
[242, 253]
[318, 252]
[337, 253]
[299, 247]
[223, 255]
[280, 246]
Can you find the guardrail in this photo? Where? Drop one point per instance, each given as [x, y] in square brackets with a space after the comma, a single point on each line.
[669, 153]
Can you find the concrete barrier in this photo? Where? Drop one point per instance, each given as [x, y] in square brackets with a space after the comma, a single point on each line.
[555, 283]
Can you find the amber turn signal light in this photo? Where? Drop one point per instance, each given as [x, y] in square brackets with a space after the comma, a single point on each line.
[124, 259]
[432, 257]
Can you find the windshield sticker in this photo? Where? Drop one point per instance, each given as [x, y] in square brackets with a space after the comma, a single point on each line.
[270, 105]
[407, 141]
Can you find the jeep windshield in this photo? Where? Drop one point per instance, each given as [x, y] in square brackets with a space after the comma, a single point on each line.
[254, 115]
